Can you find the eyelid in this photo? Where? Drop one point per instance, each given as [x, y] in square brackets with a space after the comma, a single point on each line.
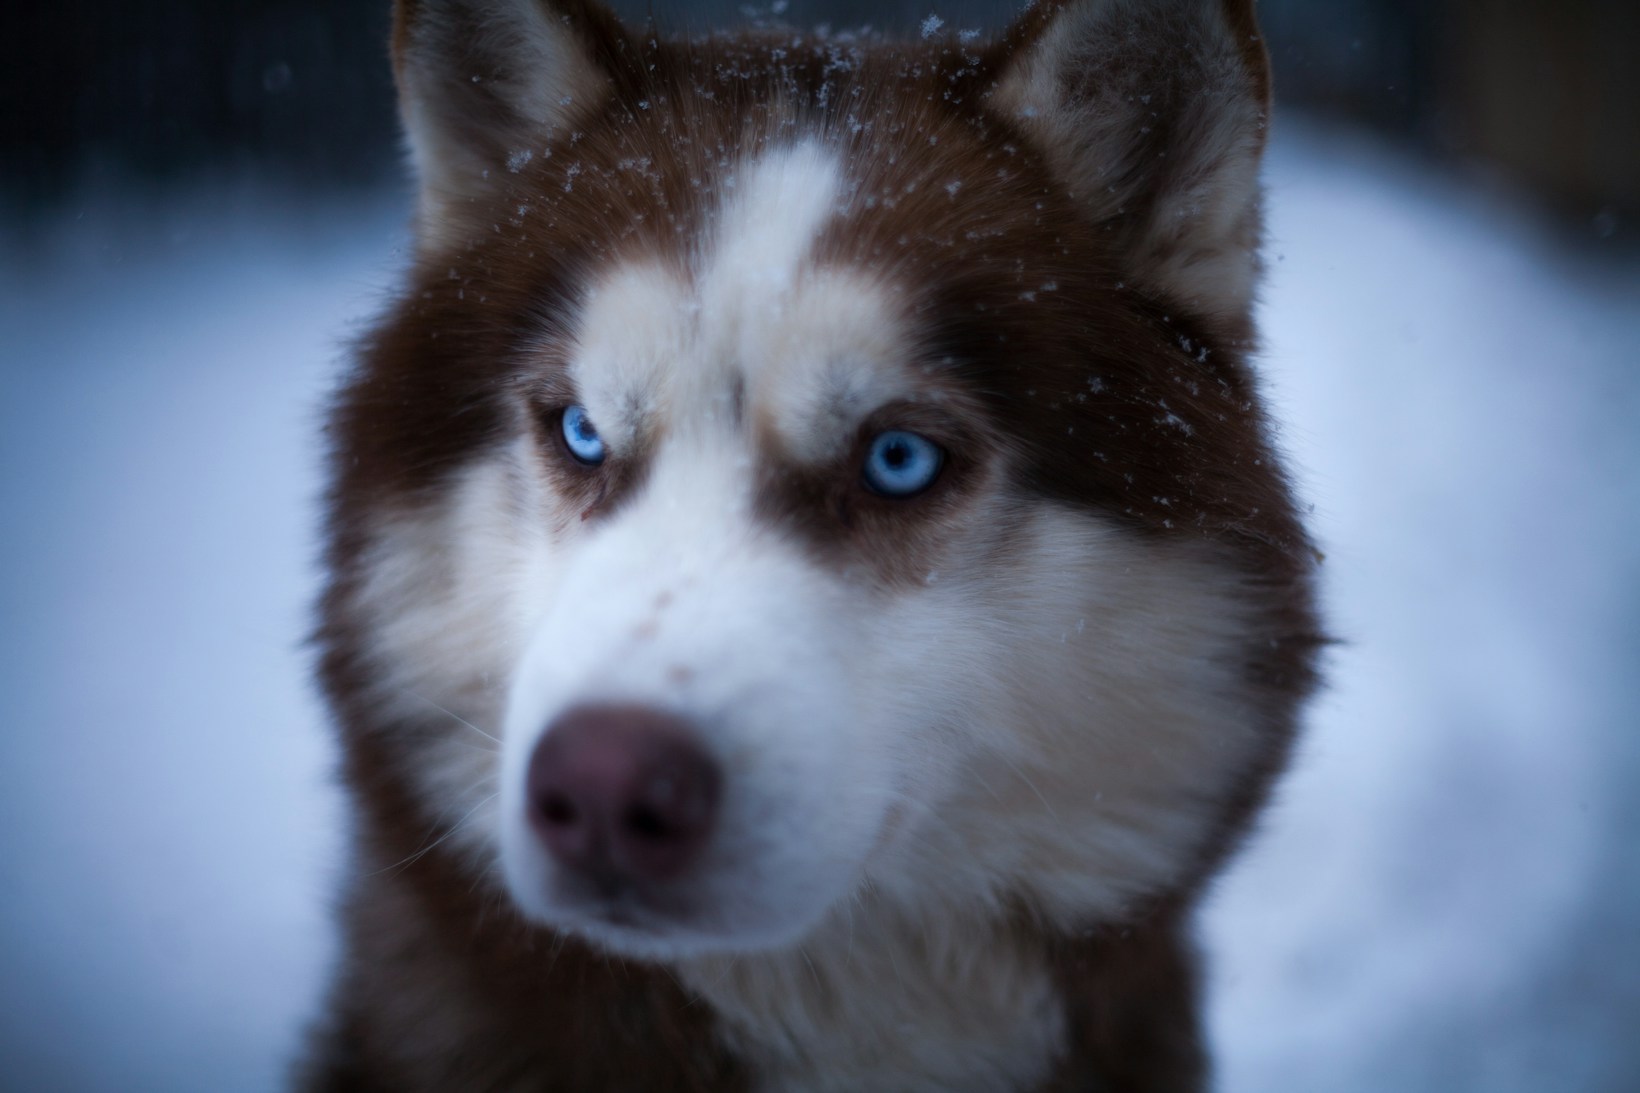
[931, 422]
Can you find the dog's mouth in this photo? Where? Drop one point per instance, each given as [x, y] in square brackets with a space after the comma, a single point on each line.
[625, 913]
[603, 902]
[620, 909]
[635, 924]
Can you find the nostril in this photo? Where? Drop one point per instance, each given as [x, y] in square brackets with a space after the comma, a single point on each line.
[623, 792]
[646, 823]
[558, 810]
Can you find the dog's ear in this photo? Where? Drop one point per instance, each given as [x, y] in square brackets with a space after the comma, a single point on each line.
[1152, 112]
[485, 84]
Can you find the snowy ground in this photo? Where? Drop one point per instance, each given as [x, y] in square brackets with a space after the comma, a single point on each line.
[1445, 898]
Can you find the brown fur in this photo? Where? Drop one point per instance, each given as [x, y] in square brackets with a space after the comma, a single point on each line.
[443, 988]
[1156, 425]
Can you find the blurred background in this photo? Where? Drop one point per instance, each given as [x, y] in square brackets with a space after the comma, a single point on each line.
[201, 201]
[1543, 97]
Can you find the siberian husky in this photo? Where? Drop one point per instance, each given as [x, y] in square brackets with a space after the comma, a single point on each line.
[812, 595]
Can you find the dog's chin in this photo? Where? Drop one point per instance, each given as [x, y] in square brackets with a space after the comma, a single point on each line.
[626, 926]
[666, 924]
[670, 942]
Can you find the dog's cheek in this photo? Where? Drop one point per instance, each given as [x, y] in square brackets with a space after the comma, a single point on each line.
[1107, 721]
[442, 595]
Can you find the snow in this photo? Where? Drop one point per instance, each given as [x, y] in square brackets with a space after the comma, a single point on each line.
[1443, 898]
[1440, 898]
[172, 833]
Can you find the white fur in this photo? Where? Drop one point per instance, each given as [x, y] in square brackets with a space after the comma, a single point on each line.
[670, 603]
[751, 310]
[678, 602]
[450, 590]
[767, 226]
[876, 1000]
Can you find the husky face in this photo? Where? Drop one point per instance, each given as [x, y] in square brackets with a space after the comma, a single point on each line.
[785, 441]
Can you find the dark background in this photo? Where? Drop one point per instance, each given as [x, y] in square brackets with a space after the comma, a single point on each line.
[1539, 96]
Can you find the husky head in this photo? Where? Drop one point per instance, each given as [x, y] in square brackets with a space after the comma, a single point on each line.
[805, 473]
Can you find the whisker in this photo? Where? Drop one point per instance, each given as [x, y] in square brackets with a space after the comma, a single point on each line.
[556, 951]
[482, 749]
[1026, 778]
[419, 854]
[987, 787]
[728, 966]
[813, 971]
[454, 716]
[487, 778]
[848, 957]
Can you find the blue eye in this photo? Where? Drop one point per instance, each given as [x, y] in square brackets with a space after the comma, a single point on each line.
[581, 438]
[901, 464]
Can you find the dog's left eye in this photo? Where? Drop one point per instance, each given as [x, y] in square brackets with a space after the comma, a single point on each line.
[902, 464]
[581, 437]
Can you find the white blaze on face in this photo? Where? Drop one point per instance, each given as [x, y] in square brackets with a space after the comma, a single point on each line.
[651, 336]
[817, 348]
[768, 227]
[682, 600]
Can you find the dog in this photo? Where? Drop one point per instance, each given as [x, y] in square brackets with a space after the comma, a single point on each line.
[813, 597]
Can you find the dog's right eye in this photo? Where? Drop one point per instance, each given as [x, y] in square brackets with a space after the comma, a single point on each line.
[581, 437]
[901, 464]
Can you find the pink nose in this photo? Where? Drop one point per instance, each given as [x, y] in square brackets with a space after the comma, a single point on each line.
[622, 794]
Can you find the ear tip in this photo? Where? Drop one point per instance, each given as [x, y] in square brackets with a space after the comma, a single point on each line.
[1088, 80]
[480, 79]
[404, 16]
[1249, 39]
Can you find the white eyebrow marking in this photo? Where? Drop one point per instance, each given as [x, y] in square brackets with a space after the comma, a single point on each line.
[768, 227]
[816, 348]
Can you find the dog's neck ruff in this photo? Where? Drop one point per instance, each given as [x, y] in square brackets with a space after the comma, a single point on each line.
[879, 1001]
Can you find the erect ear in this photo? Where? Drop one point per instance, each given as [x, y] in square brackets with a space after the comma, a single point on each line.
[1152, 112]
[485, 84]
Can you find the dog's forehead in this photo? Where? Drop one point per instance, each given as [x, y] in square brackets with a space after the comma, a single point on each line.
[752, 324]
